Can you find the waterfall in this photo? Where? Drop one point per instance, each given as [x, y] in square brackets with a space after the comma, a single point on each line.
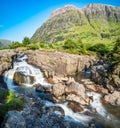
[20, 65]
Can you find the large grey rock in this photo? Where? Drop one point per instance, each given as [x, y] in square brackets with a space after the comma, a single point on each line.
[75, 88]
[78, 99]
[14, 119]
[58, 63]
[113, 98]
[58, 89]
[21, 79]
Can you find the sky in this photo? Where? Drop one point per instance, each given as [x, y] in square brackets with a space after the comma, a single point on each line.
[21, 18]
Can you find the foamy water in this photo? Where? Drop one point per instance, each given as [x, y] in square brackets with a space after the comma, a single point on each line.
[20, 65]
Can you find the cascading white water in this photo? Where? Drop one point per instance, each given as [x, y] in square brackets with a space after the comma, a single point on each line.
[20, 65]
[69, 114]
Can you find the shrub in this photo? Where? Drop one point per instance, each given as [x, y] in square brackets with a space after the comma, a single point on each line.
[70, 44]
[26, 41]
[10, 102]
[15, 44]
[33, 46]
[100, 49]
[115, 54]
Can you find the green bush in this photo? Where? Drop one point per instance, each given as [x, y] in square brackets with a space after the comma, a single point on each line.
[70, 44]
[115, 54]
[10, 102]
[42, 44]
[15, 44]
[74, 46]
[100, 49]
[26, 41]
[33, 46]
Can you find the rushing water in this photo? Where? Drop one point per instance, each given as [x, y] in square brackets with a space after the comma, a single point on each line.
[20, 65]
[99, 112]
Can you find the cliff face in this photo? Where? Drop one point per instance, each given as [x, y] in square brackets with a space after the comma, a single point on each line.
[70, 21]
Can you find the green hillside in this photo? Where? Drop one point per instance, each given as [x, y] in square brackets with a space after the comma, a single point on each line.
[95, 23]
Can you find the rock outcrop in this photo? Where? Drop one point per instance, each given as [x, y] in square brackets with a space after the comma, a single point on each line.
[113, 99]
[58, 63]
[14, 119]
[21, 79]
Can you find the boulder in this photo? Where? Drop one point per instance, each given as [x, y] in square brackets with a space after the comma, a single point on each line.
[114, 98]
[78, 99]
[56, 109]
[90, 85]
[21, 79]
[58, 89]
[45, 89]
[14, 119]
[75, 88]
[76, 107]
[58, 62]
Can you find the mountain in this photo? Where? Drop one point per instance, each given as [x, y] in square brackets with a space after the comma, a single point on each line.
[4, 43]
[93, 23]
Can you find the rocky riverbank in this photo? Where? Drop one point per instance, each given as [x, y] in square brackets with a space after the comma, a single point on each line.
[109, 78]
[56, 67]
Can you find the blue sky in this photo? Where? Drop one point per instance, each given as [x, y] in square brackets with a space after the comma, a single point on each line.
[20, 18]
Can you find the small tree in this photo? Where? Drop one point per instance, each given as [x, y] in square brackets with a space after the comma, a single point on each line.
[26, 41]
[69, 44]
[15, 44]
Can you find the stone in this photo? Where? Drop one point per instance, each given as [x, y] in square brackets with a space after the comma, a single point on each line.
[90, 85]
[76, 107]
[21, 79]
[58, 89]
[75, 88]
[78, 99]
[14, 119]
[110, 88]
[55, 109]
[113, 99]
[116, 80]
[58, 62]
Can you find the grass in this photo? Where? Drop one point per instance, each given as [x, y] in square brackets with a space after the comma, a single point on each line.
[9, 102]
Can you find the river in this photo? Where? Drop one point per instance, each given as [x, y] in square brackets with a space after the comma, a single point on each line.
[102, 117]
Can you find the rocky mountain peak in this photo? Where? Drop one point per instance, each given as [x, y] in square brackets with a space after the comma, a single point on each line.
[102, 10]
[72, 22]
[62, 10]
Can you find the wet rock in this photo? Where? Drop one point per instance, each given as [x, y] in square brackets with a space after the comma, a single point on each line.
[76, 107]
[45, 89]
[78, 99]
[90, 85]
[40, 88]
[114, 98]
[14, 119]
[56, 109]
[21, 79]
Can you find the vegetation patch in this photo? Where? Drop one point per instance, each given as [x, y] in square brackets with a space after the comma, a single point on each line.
[9, 102]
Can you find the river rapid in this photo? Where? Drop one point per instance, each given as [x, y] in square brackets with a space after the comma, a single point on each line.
[99, 114]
